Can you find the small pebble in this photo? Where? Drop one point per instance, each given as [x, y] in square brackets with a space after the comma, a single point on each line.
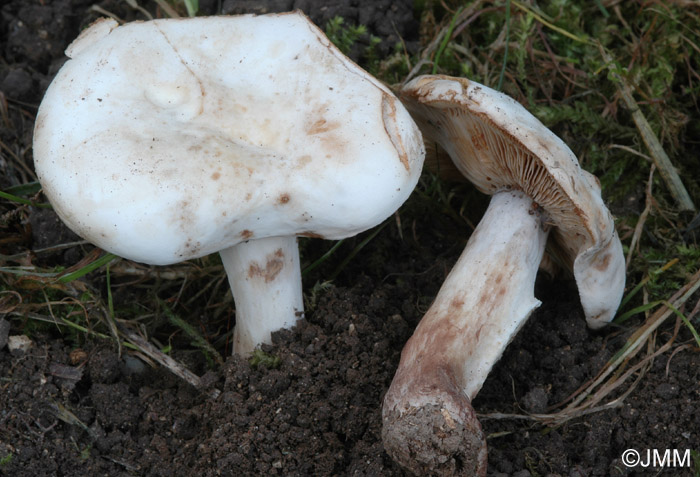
[19, 344]
[536, 400]
[133, 365]
[666, 391]
[17, 84]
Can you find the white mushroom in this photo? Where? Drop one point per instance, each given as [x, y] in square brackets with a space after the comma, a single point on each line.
[167, 140]
[537, 184]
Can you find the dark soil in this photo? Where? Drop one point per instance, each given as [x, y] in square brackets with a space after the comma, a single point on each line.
[68, 410]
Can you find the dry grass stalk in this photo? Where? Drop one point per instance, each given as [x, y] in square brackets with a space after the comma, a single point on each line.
[177, 272]
[166, 361]
[638, 338]
[428, 51]
[586, 401]
[661, 159]
[634, 243]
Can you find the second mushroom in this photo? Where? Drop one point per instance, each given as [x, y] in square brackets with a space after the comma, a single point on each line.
[539, 191]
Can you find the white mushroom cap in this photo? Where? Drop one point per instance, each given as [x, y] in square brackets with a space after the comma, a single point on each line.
[497, 144]
[167, 140]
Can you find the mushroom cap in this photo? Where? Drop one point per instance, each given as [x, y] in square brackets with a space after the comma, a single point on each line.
[498, 145]
[170, 139]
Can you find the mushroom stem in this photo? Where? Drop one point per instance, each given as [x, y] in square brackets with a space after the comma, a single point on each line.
[265, 278]
[429, 424]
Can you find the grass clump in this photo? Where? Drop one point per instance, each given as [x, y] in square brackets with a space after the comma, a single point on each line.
[4, 461]
[554, 59]
[619, 83]
[265, 360]
[344, 36]
[354, 41]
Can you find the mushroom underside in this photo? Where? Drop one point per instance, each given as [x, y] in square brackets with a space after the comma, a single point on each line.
[495, 142]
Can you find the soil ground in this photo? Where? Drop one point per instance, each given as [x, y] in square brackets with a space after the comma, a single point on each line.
[74, 410]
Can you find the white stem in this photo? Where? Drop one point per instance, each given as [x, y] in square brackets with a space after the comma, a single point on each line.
[485, 299]
[265, 278]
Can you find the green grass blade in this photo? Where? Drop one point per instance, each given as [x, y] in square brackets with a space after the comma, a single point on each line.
[30, 188]
[323, 258]
[646, 279]
[103, 260]
[21, 200]
[505, 53]
[685, 320]
[640, 309]
[445, 40]
[197, 339]
[110, 301]
[551, 25]
[192, 7]
[110, 312]
[356, 250]
[602, 8]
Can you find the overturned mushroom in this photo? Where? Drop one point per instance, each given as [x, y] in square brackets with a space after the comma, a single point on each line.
[537, 185]
[167, 140]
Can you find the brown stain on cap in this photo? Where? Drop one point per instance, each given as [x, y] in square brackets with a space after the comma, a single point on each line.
[322, 126]
[283, 199]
